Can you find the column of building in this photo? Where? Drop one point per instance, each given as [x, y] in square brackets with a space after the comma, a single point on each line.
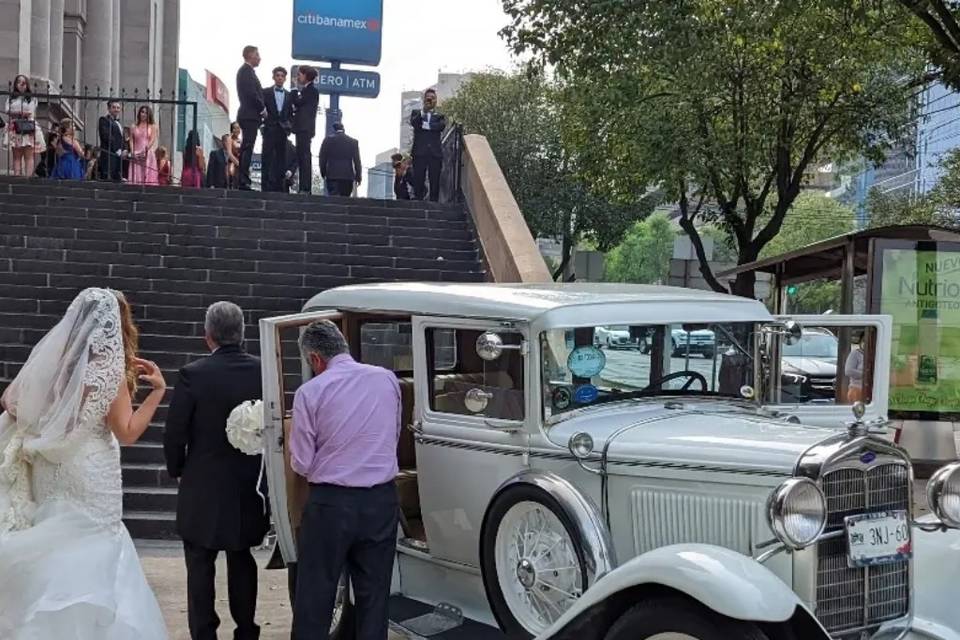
[56, 44]
[39, 43]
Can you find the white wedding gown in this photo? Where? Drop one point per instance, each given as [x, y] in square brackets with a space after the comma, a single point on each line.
[68, 568]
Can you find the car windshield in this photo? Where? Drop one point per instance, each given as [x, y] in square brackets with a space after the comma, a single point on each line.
[586, 366]
[813, 345]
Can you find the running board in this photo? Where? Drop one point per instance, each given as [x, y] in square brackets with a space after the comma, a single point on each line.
[412, 620]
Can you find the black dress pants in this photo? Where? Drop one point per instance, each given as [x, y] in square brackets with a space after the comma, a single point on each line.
[201, 592]
[305, 161]
[353, 529]
[340, 188]
[422, 165]
[274, 159]
[249, 129]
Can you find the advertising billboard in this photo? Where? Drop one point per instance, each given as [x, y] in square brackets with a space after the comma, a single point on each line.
[920, 288]
[346, 31]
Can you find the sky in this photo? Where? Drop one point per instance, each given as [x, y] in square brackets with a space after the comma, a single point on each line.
[419, 41]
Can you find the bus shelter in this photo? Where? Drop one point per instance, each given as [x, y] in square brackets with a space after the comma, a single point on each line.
[911, 273]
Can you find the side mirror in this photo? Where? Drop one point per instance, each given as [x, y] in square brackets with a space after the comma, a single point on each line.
[476, 400]
[793, 332]
[489, 346]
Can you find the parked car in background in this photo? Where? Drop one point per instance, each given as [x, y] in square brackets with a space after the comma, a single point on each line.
[542, 498]
[809, 366]
[701, 342]
[614, 338]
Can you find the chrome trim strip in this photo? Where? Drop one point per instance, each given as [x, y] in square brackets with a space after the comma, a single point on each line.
[599, 554]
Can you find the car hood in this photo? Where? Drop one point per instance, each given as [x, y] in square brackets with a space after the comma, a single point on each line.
[717, 434]
[809, 366]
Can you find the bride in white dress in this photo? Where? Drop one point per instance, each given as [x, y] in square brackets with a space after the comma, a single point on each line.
[68, 569]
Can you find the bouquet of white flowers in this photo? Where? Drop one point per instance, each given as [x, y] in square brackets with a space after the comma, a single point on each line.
[245, 427]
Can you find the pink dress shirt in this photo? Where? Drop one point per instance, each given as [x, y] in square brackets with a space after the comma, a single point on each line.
[346, 424]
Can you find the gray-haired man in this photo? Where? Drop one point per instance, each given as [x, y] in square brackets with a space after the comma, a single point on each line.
[218, 508]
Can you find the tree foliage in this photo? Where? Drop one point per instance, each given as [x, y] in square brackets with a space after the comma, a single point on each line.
[941, 22]
[725, 106]
[519, 115]
[644, 255]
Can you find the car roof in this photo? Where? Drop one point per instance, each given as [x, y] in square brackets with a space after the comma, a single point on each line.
[568, 304]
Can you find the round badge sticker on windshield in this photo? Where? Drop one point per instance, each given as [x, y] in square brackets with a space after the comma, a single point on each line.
[586, 394]
[586, 362]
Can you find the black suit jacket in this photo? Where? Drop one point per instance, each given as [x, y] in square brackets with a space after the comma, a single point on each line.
[340, 158]
[306, 101]
[218, 506]
[428, 143]
[250, 93]
[217, 169]
[278, 118]
[110, 134]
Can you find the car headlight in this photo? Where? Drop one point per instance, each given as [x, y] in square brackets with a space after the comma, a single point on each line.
[797, 512]
[943, 494]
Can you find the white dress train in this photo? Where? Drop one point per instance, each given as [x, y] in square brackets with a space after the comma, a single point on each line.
[74, 574]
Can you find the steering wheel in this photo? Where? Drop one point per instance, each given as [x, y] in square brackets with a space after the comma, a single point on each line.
[693, 375]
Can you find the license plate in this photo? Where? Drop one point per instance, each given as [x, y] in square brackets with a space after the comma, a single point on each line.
[878, 538]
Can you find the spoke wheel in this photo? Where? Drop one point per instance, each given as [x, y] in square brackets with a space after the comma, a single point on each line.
[532, 562]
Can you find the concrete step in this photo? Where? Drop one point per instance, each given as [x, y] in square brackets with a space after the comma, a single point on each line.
[151, 525]
[150, 499]
[142, 453]
[147, 475]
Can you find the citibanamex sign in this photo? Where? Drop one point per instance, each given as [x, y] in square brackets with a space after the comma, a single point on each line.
[370, 24]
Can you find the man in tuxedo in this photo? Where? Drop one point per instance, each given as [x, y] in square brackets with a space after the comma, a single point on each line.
[306, 100]
[276, 129]
[110, 134]
[252, 111]
[340, 162]
[218, 506]
[217, 165]
[428, 126]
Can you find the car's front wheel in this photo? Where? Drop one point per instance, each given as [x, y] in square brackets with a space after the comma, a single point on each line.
[679, 618]
[532, 560]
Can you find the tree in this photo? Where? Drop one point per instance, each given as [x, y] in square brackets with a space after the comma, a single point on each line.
[644, 255]
[725, 106]
[813, 217]
[941, 20]
[518, 114]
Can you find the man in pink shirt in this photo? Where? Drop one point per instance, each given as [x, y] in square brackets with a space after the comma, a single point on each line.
[346, 424]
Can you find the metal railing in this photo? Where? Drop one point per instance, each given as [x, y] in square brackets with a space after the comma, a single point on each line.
[84, 107]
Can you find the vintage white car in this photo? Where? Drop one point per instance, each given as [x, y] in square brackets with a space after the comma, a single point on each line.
[557, 490]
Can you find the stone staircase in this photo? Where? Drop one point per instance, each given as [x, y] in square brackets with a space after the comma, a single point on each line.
[174, 252]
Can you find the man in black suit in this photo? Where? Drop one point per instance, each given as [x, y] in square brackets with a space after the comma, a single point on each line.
[252, 110]
[340, 162]
[276, 129]
[217, 165]
[428, 126]
[110, 134]
[218, 507]
[306, 101]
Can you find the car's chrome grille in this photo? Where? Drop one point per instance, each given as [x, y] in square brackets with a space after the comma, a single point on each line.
[861, 598]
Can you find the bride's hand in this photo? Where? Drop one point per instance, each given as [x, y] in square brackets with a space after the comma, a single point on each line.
[150, 373]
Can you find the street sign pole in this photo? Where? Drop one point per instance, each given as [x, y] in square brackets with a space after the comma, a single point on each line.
[334, 115]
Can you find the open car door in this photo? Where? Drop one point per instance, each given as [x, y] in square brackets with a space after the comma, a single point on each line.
[837, 361]
[283, 371]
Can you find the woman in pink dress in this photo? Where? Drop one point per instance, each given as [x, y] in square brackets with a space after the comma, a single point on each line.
[143, 163]
[193, 163]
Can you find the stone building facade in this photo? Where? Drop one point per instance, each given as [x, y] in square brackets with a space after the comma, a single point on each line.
[97, 47]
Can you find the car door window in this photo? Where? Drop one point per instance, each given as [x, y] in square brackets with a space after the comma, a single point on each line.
[492, 389]
[827, 365]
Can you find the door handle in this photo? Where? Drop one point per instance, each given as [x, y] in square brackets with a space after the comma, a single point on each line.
[416, 427]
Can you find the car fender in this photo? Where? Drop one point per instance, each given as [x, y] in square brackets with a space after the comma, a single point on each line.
[730, 583]
[936, 567]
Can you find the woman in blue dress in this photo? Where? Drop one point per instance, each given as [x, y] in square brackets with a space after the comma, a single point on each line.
[69, 154]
